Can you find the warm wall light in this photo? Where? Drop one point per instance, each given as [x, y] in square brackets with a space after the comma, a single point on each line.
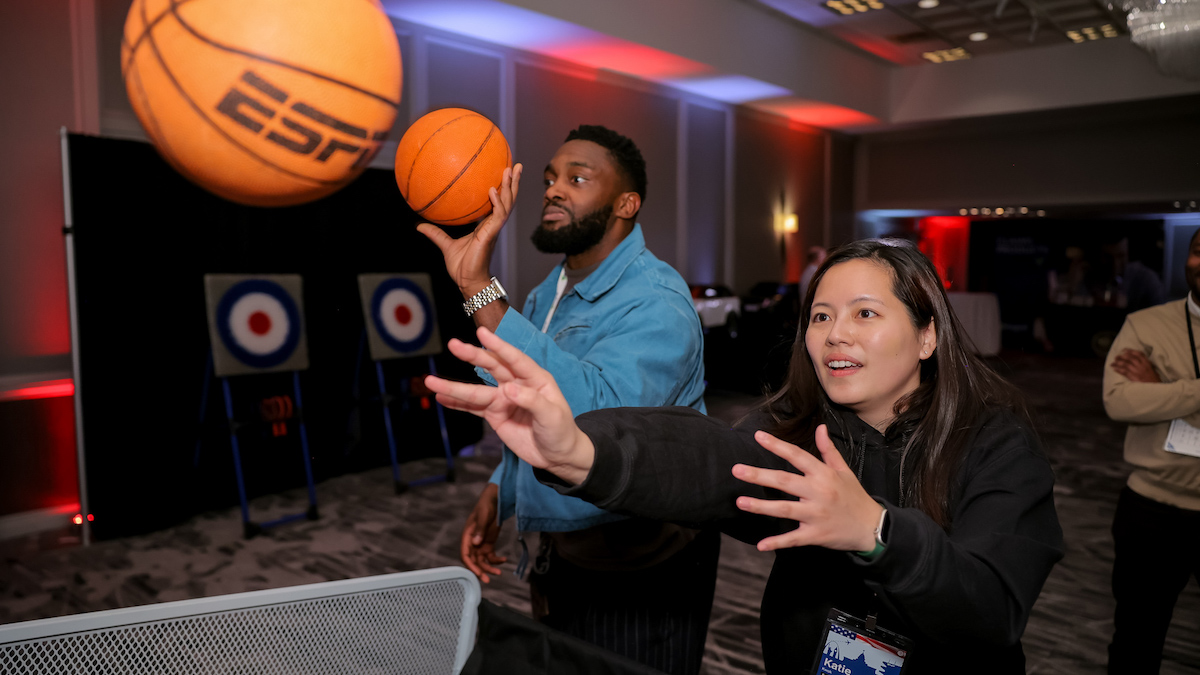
[787, 222]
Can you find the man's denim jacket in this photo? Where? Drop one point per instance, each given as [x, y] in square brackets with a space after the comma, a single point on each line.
[627, 335]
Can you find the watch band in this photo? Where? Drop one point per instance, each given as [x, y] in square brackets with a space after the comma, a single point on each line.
[879, 545]
[490, 293]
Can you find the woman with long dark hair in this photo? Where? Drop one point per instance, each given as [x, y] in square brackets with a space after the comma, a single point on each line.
[895, 474]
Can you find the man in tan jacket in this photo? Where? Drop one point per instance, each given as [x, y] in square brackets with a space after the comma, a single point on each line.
[1152, 381]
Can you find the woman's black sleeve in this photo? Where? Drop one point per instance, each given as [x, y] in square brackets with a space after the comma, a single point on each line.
[675, 464]
[979, 580]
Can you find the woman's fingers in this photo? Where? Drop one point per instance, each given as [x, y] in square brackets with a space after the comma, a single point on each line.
[829, 453]
[481, 358]
[798, 458]
[547, 411]
[461, 395]
[775, 508]
[784, 481]
[514, 359]
[795, 538]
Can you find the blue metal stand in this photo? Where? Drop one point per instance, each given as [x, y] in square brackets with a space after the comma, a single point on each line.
[385, 400]
[208, 370]
[250, 528]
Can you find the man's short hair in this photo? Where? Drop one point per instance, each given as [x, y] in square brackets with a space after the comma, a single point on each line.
[625, 153]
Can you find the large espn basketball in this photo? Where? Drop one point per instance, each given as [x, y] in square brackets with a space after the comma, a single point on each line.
[263, 102]
[446, 162]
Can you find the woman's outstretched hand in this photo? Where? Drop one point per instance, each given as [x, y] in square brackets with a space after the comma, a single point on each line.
[833, 511]
[526, 408]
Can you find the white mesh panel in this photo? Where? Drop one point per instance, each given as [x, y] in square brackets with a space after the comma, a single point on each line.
[413, 629]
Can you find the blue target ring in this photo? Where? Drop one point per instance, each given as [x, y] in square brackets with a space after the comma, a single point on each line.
[408, 289]
[237, 336]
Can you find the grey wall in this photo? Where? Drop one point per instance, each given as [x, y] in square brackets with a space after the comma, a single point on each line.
[1123, 153]
[777, 169]
[705, 217]
[36, 63]
[548, 105]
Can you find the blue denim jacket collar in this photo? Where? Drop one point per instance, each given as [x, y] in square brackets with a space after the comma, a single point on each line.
[539, 507]
[609, 272]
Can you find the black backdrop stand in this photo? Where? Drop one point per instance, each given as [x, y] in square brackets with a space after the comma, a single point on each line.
[143, 237]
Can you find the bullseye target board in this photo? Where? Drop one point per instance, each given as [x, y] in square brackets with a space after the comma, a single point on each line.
[256, 323]
[398, 309]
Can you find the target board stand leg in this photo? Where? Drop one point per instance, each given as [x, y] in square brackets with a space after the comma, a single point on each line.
[449, 475]
[312, 513]
[385, 402]
[354, 421]
[441, 415]
[255, 327]
[208, 369]
[249, 529]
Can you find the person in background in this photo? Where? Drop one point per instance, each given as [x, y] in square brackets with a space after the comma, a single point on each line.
[1152, 381]
[816, 256]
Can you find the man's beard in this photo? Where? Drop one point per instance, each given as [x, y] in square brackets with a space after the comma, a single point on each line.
[576, 236]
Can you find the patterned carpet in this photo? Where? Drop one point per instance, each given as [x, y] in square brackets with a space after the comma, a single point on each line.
[366, 529]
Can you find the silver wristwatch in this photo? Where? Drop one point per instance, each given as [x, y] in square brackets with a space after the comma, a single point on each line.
[490, 293]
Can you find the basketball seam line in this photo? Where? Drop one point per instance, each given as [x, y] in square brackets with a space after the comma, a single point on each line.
[478, 210]
[219, 130]
[491, 130]
[157, 136]
[146, 31]
[383, 99]
[413, 166]
[487, 200]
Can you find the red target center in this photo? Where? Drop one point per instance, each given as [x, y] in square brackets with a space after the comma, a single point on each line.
[403, 315]
[260, 323]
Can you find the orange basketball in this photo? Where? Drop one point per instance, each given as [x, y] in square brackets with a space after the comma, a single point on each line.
[263, 102]
[446, 162]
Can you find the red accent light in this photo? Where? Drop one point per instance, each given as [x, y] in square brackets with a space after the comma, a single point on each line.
[627, 57]
[91, 517]
[824, 115]
[50, 389]
[945, 240]
[403, 315]
[78, 519]
[881, 47]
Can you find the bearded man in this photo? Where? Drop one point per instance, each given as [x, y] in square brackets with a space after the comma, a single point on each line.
[616, 327]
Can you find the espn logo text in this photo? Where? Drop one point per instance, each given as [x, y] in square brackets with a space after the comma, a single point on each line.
[301, 128]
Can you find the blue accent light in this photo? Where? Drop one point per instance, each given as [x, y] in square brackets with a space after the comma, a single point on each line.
[729, 88]
[490, 21]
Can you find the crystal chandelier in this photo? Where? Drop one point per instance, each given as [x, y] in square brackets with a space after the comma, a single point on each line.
[1169, 30]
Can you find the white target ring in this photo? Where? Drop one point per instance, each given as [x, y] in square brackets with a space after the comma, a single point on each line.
[402, 315]
[259, 323]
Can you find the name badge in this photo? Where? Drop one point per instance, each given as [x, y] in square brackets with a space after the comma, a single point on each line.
[853, 646]
[1183, 439]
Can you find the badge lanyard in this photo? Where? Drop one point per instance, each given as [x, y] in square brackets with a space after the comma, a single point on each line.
[1191, 338]
[562, 285]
